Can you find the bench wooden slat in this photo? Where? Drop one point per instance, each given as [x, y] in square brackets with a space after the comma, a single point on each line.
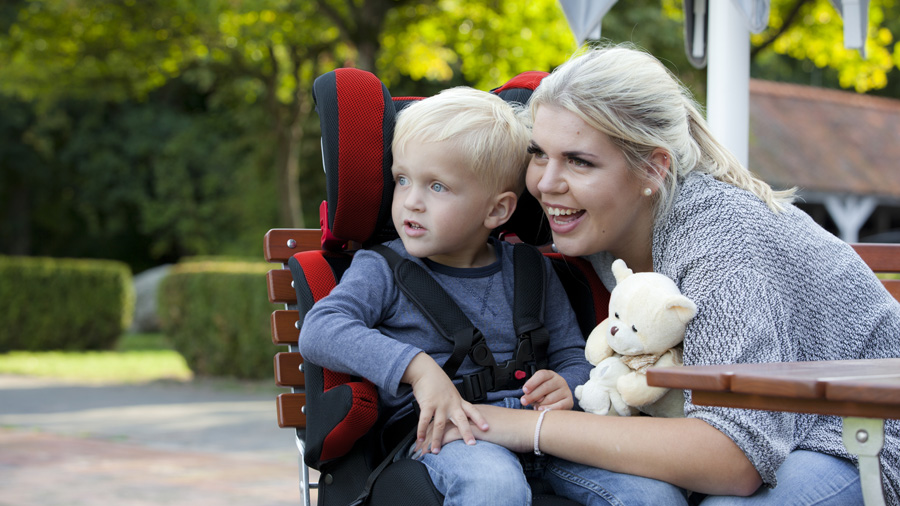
[880, 257]
[290, 410]
[815, 406]
[276, 245]
[881, 390]
[280, 289]
[893, 286]
[287, 369]
[284, 328]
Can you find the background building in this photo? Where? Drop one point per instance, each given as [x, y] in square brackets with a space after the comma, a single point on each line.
[841, 149]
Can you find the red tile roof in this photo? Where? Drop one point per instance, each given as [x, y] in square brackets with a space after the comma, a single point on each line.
[824, 140]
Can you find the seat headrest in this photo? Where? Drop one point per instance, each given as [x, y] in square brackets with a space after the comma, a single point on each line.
[356, 114]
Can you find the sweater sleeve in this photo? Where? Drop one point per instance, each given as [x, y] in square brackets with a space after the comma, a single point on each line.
[740, 319]
[341, 333]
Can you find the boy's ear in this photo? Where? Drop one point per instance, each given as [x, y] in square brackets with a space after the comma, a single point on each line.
[502, 210]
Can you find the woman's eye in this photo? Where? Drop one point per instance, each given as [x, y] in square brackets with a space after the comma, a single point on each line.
[578, 162]
[536, 151]
[437, 187]
[617, 315]
[634, 329]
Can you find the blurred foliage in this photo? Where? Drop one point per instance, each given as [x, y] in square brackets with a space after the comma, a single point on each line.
[811, 32]
[217, 317]
[804, 44]
[148, 130]
[63, 303]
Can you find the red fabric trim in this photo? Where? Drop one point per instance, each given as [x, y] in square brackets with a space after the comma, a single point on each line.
[360, 152]
[528, 80]
[362, 415]
[319, 276]
[330, 242]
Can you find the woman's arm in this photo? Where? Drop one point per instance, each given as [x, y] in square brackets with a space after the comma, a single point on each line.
[686, 452]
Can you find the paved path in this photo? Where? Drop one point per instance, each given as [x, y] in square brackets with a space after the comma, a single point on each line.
[197, 444]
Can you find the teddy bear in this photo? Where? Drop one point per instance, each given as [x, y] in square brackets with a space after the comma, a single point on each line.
[647, 318]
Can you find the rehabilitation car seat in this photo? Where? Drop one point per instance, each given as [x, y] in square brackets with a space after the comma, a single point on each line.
[336, 415]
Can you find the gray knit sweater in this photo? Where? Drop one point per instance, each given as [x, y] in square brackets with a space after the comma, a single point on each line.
[772, 288]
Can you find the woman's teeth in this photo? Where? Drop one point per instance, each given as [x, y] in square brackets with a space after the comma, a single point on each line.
[555, 211]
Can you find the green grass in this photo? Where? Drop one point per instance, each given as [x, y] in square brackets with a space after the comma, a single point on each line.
[137, 358]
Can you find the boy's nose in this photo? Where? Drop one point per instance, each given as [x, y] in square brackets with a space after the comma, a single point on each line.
[413, 200]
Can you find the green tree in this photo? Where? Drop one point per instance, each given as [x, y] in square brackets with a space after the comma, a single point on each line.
[812, 31]
[804, 42]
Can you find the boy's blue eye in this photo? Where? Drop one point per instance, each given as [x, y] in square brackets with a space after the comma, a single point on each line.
[401, 180]
[437, 187]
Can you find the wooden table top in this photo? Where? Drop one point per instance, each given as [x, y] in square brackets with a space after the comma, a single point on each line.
[866, 388]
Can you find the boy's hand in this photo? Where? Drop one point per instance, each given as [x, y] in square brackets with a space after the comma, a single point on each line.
[439, 401]
[547, 390]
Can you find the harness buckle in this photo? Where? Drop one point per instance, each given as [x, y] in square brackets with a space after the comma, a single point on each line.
[475, 386]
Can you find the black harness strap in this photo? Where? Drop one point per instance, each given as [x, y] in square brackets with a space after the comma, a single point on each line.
[444, 313]
[528, 306]
[427, 295]
[440, 309]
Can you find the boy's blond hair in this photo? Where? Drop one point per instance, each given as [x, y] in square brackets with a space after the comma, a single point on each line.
[487, 132]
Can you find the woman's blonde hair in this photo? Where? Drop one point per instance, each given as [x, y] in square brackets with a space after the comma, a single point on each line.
[633, 98]
[487, 132]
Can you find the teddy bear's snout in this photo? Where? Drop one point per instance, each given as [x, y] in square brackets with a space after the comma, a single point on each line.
[613, 330]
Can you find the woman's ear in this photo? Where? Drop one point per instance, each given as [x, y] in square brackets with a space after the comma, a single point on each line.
[660, 163]
[502, 210]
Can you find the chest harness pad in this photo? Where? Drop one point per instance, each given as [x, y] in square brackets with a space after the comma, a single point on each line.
[439, 308]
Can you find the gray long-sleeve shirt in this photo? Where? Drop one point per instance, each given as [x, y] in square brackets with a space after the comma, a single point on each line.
[772, 288]
[366, 326]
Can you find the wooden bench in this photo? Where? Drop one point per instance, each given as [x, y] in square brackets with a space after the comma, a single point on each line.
[279, 246]
[863, 392]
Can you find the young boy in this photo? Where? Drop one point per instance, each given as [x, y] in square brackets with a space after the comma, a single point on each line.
[459, 166]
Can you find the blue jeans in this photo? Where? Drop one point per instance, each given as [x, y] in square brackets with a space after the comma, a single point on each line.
[594, 486]
[805, 478]
[483, 473]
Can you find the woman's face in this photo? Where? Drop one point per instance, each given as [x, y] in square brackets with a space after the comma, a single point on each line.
[591, 198]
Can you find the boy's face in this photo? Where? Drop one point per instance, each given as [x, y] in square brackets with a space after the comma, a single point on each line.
[440, 208]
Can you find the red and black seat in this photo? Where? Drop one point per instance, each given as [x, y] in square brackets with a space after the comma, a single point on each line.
[334, 414]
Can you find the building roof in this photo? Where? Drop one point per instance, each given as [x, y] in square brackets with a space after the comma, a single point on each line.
[824, 140]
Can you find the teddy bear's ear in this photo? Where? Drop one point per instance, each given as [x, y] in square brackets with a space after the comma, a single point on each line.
[620, 270]
[683, 307]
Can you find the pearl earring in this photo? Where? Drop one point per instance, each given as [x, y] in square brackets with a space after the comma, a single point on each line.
[648, 192]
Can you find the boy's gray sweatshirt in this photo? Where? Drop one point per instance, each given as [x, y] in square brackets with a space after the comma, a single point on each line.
[366, 326]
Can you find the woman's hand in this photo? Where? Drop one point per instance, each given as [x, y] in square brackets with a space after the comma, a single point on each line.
[547, 390]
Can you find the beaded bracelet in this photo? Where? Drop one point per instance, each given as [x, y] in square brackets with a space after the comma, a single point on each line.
[537, 432]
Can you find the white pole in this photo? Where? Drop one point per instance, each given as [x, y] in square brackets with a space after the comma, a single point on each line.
[728, 78]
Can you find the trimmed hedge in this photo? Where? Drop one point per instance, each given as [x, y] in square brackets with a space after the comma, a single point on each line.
[217, 316]
[63, 303]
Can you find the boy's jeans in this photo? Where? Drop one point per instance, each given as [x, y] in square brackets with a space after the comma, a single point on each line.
[483, 473]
